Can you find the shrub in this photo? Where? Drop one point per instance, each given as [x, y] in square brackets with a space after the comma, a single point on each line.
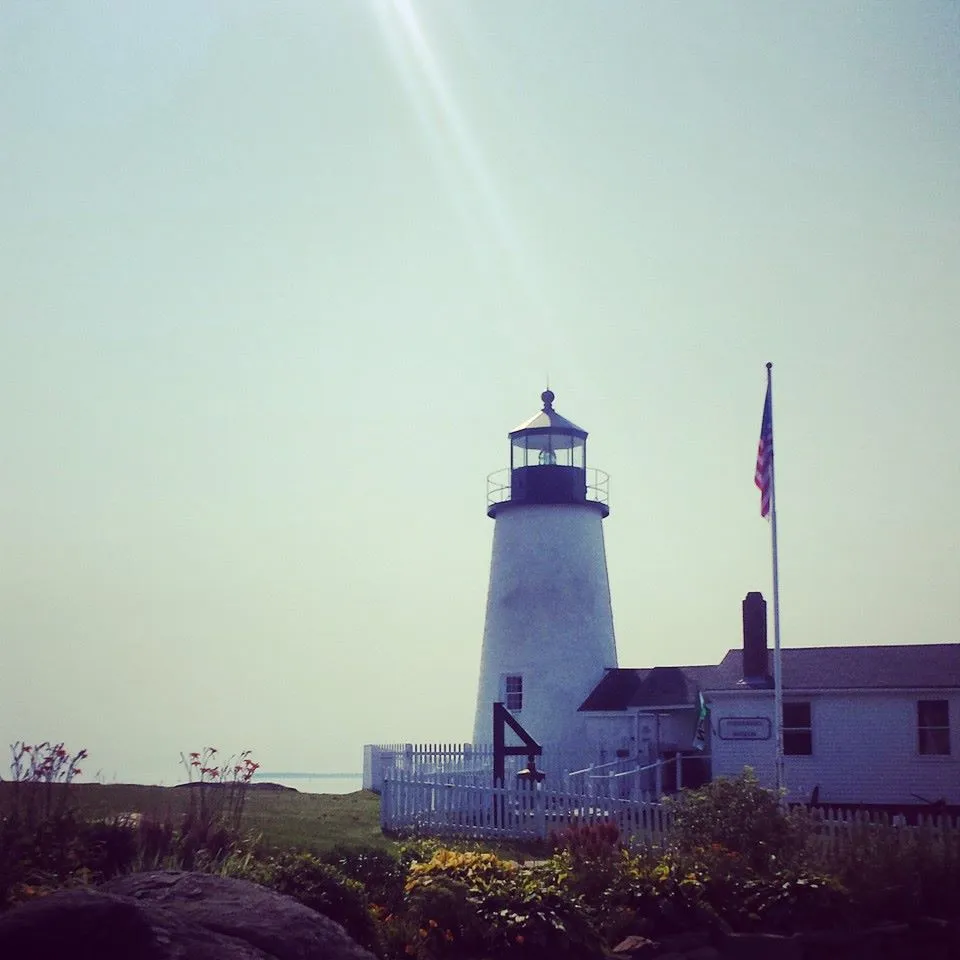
[735, 816]
[590, 856]
[896, 873]
[473, 903]
[418, 850]
[381, 872]
[792, 901]
[322, 887]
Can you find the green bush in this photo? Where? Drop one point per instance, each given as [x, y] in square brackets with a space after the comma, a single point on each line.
[381, 872]
[791, 902]
[895, 873]
[644, 898]
[322, 887]
[736, 855]
[589, 855]
[468, 903]
[736, 816]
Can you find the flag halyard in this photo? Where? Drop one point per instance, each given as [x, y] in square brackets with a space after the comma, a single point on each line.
[763, 474]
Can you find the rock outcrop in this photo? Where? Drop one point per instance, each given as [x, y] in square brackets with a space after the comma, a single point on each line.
[172, 915]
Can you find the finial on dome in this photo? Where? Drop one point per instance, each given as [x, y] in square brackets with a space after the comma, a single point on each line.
[547, 398]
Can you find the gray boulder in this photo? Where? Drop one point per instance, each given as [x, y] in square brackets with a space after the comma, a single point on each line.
[173, 915]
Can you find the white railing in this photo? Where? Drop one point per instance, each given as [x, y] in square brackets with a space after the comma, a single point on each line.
[499, 486]
[448, 808]
[625, 779]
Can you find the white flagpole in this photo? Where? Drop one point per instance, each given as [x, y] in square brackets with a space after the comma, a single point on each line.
[777, 667]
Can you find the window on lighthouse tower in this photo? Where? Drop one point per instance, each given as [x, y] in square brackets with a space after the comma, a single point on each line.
[513, 693]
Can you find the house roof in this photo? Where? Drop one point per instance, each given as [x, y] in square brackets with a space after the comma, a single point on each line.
[656, 687]
[916, 666]
[614, 690]
[905, 667]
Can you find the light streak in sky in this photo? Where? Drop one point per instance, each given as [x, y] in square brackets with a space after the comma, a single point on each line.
[453, 146]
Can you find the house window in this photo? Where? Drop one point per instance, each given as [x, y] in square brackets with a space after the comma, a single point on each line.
[797, 732]
[933, 727]
[513, 693]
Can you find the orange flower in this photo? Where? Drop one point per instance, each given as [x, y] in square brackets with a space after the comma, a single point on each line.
[519, 938]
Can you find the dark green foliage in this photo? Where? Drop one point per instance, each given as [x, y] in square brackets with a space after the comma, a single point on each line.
[896, 873]
[793, 901]
[739, 817]
[736, 861]
[324, 888]
[469, 903]
[381, 872]
[590, 856]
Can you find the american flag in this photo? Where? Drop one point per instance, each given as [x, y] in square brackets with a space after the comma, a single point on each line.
[763, 476]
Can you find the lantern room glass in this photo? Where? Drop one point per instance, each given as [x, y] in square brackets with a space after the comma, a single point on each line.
[543, 448]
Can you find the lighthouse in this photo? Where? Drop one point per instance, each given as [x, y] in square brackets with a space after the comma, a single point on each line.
[548, 635]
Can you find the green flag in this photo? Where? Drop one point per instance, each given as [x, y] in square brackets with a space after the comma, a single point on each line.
[700, 731]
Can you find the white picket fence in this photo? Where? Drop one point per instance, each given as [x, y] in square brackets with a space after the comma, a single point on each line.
[464, 763]
[461, 760]
[442, 807]
[836, 829]
[446, 807]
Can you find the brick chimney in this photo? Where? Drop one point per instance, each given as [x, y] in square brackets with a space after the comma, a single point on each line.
[756, 665]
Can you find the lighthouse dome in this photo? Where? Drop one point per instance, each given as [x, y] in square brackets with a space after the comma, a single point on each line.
[549, 421]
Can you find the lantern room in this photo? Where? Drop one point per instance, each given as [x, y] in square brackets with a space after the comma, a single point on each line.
[547, 464]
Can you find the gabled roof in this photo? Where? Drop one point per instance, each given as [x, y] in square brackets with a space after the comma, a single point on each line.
[614, 691]
[656, 687]
[903, 667]
[934, 666]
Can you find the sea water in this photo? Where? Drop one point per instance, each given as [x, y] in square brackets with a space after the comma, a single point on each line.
[313, 782]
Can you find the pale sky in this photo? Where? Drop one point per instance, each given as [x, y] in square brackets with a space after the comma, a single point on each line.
[277, 279]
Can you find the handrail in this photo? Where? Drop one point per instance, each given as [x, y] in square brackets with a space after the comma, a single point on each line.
[598, 486]
[598, 766]
[627, 773]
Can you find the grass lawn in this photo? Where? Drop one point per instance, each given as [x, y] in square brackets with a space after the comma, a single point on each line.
[285, 818]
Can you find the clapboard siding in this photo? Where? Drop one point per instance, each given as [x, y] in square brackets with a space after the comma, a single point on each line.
[864, 747]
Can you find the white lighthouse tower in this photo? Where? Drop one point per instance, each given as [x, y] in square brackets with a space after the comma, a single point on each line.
[549, 625]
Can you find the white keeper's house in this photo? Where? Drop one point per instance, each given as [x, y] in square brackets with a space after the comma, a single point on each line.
[872, 725]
